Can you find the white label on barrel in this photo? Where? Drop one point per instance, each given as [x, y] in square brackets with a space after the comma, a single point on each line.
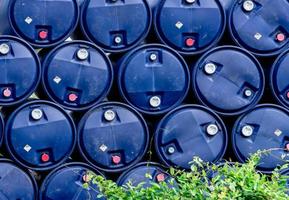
[57, 79]
[27, 148]
[278, 132]
[28, 20]
[258, 36]
[179, 25]
[103, 147]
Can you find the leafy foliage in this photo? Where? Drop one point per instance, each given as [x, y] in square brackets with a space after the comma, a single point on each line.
[229, 181]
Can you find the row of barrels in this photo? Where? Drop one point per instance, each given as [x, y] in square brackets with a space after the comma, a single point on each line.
[189, 26]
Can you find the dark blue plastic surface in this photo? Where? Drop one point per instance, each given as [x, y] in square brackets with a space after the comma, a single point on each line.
[279, 79]
[237, 71]
[270, 131]
[184, 129]
[66, 182]
[153, 3]
[27, 139]
[126, 136]
[104, 20]
[257, 30]
[58, 18]
[64, 74]
[16, 184]
[19, 71]
[177, 21]
[1, 128]
[227, 5]
[5, 27]
[145, 173]
[140, 79]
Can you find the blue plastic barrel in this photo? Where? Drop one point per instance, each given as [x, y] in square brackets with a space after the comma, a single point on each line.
[77, 75]
[146, 173]
[263, 128]
[67, 182]
[153, 79]
[262, 27]
[113, 137]
[40, 135]
[116, 25]
[190, 26]
[229, 80]
[279, 79]
[190, 131]
[19, 70]
[42, 23]
[16, 183]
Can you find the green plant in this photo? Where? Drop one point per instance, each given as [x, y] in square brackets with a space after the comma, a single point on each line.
[230, 181]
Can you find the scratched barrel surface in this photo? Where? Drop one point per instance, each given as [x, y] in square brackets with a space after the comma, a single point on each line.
[77, 75]
[190, 131]
[263, 128]
[146, 173]
[153, 79]
[228, 80]
[19, 70]
[261, 27]
[279, 79]
[190, 27]
[16, 183]
[113, 137]
[40, 135]
[67, 182]
[116, 25]
[42, 23]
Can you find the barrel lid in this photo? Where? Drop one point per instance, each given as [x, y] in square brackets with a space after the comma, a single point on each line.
[262, 27]
[113, 136]
[194, 27]
[229, 80]
[153, 79]
[189, 131]
[116, 25]
[77, 75]
[40, 135]
[43, 23]
[16, 183]
[263, 128]
[66, 182]
[279, 79]
[19, 70]
[146, 173]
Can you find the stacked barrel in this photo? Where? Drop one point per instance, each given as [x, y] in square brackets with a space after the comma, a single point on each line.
[126, 89]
